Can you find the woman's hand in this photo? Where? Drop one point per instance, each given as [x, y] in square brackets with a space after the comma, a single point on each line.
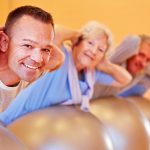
[104, 65]
[63, 33]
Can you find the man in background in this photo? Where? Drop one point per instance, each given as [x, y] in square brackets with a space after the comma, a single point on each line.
[133, 54]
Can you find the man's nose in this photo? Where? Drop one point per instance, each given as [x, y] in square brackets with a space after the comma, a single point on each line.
[144, 63]
[36, 55]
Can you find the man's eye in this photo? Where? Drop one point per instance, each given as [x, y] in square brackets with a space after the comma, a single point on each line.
[142, 55]
[27, 46]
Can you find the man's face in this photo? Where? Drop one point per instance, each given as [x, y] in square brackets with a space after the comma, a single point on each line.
[29, 47]
[138, 62]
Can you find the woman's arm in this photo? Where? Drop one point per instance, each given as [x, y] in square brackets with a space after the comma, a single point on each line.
[121, 75]
[62, 34]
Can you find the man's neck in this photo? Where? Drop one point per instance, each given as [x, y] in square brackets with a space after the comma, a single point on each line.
[7, 76]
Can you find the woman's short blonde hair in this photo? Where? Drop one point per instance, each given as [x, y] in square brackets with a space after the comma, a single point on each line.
[94, 28]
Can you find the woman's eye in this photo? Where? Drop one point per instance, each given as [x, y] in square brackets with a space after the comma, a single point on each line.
[89, 42]
[101, 50]
[46, 50]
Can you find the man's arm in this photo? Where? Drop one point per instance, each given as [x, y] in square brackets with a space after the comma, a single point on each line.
[2, 124]
[62, 34]
[121, 75]
[128, 47]
[56, 59]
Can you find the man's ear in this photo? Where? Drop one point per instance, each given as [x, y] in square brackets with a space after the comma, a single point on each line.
[4, 40]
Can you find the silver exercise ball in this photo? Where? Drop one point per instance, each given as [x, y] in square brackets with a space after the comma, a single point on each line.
[123, 122]
[143, 105]
[8, 141]
[61, 128]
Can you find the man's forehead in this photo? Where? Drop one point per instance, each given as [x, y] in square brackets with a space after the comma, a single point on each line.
[46, 43]
[27, 22]
[145, 45]
[144, 49]
[30, 28]
[26, 18]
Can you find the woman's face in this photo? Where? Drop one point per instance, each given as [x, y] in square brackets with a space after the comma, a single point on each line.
[90, 51]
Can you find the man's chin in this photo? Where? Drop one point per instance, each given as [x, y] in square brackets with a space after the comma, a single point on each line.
[138, 72]
[29, 79]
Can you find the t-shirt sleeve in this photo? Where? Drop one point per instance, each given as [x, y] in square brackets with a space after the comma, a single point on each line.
[103, 78]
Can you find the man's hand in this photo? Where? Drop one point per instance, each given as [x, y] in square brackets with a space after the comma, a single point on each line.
[57, 58]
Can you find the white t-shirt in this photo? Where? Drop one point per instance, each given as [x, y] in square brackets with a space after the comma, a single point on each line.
[7, 94]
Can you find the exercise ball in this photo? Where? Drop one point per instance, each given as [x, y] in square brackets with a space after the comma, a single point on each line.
[8, 140]
[123, 122]
[61, 128]
[143, 105]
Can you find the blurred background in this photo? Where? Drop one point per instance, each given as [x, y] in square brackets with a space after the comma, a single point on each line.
[123, 17]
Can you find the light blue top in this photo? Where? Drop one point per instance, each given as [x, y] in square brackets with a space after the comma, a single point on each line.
[138, 89]
[51, 89]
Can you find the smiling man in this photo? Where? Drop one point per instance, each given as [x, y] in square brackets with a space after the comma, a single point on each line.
[26, 50]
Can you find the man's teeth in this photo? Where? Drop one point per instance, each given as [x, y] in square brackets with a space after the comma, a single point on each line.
[31, 67]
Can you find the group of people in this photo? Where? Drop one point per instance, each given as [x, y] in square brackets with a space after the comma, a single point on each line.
[38, 68]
